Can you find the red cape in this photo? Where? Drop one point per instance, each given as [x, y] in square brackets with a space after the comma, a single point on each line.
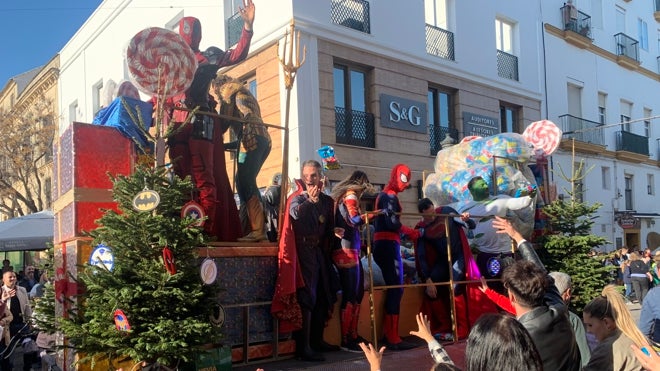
[285, 305]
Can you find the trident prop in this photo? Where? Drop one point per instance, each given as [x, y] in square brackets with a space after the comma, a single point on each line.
[290, 65]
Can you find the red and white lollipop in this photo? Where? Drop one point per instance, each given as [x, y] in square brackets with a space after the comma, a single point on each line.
[160, 62]
[544, 135]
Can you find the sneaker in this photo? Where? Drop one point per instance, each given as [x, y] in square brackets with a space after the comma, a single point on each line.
[351, 346]
[403, 345]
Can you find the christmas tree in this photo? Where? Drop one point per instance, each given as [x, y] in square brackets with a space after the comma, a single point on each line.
[570, 242]
[150, 303]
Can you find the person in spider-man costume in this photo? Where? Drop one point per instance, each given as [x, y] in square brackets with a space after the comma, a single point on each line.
[387, 253]
[197, 149]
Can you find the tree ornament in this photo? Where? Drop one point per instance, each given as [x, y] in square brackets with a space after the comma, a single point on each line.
[208, 271]
[146, 200]
[194, 210]
[102, 256]
[168, 260]
[121, 322]
[217, 317]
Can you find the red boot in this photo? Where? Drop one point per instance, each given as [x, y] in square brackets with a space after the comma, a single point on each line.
[391, 332]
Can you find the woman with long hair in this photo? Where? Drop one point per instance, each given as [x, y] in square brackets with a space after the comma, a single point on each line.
[639, 276]
[346, 254]
[607, 318]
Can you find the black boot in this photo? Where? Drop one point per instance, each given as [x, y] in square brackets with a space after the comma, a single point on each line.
[303, 350]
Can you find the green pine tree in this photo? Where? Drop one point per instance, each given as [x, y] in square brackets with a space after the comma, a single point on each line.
[569, 243]
[168, 314]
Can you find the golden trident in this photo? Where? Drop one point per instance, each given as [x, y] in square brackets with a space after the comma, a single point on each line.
[290, 65]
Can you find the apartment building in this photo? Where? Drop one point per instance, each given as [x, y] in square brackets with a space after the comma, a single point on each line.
[601, 77]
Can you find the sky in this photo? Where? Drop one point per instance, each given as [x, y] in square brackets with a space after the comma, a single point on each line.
[36, 30]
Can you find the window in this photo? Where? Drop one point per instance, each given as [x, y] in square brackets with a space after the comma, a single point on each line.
[251, 84]
[626, 112]
[509, 119]
[504, 36]
[606, 177]
[602, 110]
[96, 96]
[441, 130]
[650, 184]
[628, 191]
[507, 62]
[435, 13]
[353, 124]
[73, 111]
[597, 14]
[647, 122]
[643, 32]
[352, 14]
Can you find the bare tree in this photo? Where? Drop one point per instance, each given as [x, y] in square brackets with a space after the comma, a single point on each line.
[26, 151]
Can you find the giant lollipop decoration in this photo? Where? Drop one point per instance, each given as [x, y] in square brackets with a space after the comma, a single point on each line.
[160, 62]
[544, 135]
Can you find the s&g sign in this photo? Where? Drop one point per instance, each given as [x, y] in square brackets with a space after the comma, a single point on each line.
[403, 114]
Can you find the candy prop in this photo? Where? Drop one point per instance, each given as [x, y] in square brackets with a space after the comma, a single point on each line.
[195, 211]
[330, 162]
[146, 200]
[168, 260]
[121, 322]
[160, 62]
[544, 135]
[208, 271]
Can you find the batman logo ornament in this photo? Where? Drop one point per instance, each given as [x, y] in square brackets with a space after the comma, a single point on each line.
[146, 200]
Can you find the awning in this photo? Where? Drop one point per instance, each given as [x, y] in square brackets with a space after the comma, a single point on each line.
[646, 215]
[30, 232]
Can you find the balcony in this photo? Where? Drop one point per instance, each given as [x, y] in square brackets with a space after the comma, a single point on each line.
[234, 29]
[440, 136]
[577, 26]
[631, 147]
[355, 128]
[507, 65]
[352, 14]
[582, 130]
[439, 42]
[627, 51]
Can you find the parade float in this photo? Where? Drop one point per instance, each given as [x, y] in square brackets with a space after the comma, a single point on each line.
[243, 273]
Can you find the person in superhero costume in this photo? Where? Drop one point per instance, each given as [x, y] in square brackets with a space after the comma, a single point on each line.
[346, 253]
[305, 265]
[197, 149]
[431, 258]
[387, 252]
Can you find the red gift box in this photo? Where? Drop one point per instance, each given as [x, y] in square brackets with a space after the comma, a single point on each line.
[83, 157]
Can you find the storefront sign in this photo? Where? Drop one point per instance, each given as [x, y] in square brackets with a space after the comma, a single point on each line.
[403, 114]
[628, 221]
[479, 125]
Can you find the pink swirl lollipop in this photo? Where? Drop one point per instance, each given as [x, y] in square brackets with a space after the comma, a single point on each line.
[160, 61]
[544, 135]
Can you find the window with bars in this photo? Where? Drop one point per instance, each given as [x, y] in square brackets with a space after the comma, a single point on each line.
[353, 124]
[442, 131]
[352, 14]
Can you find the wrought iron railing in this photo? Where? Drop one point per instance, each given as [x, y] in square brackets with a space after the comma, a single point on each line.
[507, 65]
[355, 128]
[352, 14]
[658, 60]
[234, 29]
[439, 42]
[576, 21]
[582, 130]
[627, 46]
[626, 141]
[440, 136]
